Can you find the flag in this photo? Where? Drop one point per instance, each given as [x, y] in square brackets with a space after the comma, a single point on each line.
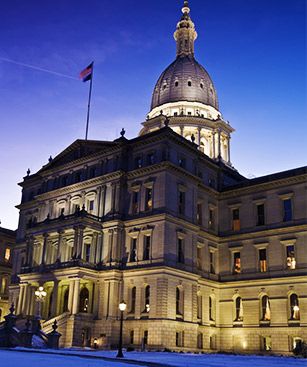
[87, 73]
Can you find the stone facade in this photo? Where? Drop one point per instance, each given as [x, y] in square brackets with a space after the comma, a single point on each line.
[206, 259]
[7, 241]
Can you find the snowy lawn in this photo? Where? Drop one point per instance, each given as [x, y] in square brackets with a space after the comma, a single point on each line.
[24, 359]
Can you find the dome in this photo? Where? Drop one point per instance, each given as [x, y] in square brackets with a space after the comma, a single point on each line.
[184, 80]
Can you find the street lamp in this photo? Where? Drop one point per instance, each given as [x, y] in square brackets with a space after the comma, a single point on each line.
[40, 295]
[122, 307]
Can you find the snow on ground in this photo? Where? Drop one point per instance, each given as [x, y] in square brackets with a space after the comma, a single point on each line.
[16, 359]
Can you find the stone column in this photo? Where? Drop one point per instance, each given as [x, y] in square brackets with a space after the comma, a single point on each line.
[45, 244]
[20, 299]
[115, 249]
[213, 144]
[80, 242]
[219, 143]
[94, 248]
[228, 146]
[117, 198]
[60, 242]
[95, 298]
[24, 299]
[32, 300]
[75, 303]
[71, 295]
[76, 241]
[181, 130]
[54, 298]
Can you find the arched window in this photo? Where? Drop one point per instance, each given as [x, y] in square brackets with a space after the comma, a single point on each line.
[65, 300]
[265, 309]
[189, 83]
[176, 83]
[147, 299]
[133, 298]
[294, 307]
[238, 309]
[83, 300]
[179, 301]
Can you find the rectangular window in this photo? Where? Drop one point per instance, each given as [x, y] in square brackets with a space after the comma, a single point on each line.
[199, 214]
[266, 343]
[211, 219]
[291, 262]
[212, 262]
[147, 241]
[199, 258]
[87, 252]
[262, 260]
[199, 307]
[148, 199]
[7, 254]
[287, 210]
[179, 339]
[145, 339]
[180, 251]
[181, 202]
[131, 336]
[260, 215]
[181, 162]
[138, 162]
[135, 202]
[150, 158]
[91, 206]
[237, 262]
[133, 250]
[236, 219]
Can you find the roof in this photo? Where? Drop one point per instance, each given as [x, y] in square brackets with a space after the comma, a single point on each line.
[184, 80]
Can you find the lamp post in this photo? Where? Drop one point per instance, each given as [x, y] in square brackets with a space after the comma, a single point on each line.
[40, 295]
[122, 307]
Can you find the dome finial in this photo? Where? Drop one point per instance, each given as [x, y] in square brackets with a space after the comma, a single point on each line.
[186, 8]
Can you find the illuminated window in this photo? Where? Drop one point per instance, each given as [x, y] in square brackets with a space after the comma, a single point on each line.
[236, 219]
[237, 262]
[7, 254]
[147, 299]
[83, 300]
[238, 309]
[266, 343]
[265, 309]
[294, 307]
[133, 253]
[148, 199]
[180, 251]
[262, 260]
[260, 215]
[287, 204]
[291, 262]
[147, 243]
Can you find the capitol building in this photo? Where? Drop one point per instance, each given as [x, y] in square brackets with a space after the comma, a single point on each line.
[204, 258]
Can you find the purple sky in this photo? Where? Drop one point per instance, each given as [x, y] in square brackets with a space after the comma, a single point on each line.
[254, 51]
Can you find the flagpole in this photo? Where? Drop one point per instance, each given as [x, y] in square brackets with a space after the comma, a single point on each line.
[89, 102]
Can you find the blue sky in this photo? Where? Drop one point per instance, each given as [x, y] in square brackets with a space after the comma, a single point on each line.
[254, 51]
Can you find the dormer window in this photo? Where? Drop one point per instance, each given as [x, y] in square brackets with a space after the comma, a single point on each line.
[202, 85]
[189, 83]
[176, 83]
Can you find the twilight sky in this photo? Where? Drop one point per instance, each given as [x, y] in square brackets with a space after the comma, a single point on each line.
[254, 51]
